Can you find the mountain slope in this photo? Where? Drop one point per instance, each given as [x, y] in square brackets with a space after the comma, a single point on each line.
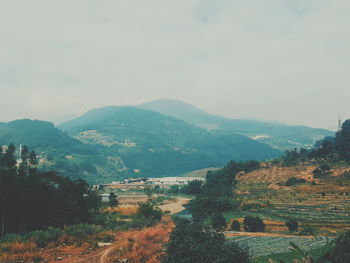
[57, 150]
[35, 134]
[277, 135]
[152, 144]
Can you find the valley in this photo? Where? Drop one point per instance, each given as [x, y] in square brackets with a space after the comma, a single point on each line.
[151, 175]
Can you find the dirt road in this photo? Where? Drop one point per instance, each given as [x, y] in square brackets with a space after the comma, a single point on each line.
[176, 206]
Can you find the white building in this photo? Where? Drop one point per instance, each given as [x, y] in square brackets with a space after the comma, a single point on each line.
[172, 180]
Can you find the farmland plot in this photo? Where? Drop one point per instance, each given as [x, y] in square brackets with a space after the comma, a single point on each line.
[262, 246]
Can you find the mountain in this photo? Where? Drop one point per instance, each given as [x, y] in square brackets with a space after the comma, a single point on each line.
[57, 150]
[148, 143]
[35, 134]
[277, 135]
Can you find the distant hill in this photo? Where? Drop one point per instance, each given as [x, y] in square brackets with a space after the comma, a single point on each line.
[58, 150]
[277, 135]
[35, 134]
[151, 144]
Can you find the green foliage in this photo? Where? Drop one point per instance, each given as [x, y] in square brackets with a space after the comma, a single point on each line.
[192, 188]
[341, 252]
[190, 243]
[43, 238]
[147, 214]
[80, 231]
[235, 226]
[112, 200]
[164, 146]
[218, 222]
[321, 171]
[253, 224]
[216, 195]
[174, 189]
[41, 199]
[278, 135]
[294, 181]
[292, 225]
[309, 231]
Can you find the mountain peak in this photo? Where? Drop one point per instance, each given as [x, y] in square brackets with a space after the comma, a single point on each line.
[173, 107]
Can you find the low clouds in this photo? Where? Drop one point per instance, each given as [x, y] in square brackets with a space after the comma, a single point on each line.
[275, 59]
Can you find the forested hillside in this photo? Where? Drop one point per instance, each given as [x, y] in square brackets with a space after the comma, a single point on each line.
[161, 145]
[277, 135]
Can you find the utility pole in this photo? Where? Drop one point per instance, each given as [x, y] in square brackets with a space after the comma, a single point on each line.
[339, 124]
[20, 151]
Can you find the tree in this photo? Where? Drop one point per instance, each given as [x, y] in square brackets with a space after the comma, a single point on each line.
[293, 181]
[321, 171]
[112, 200]
[341, 252]
[235, 226]
[292, 225]
[190, 243]
[193, 187]
[216, 195]
[342, 141]
[174, 189]
[148, 213]
[218, 222]
[253, 224]
[40, 199]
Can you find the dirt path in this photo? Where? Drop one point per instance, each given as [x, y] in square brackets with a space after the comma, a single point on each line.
[175, 207]
[100, 257]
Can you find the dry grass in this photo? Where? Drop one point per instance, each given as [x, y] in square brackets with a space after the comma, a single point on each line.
[125, 210]
[146, 246]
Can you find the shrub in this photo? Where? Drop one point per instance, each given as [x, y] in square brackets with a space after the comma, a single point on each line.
[294, 181]
[292, 225]
[321, 171]
[193, 187]
[253, 224]
[43, 238]
[309, 231]
[147, 215]
[236, 226]
[11, 238]
[341, 252]
[78, 233]
[218, 222]
[190, 243]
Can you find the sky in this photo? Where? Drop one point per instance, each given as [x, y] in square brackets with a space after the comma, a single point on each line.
[283, 60]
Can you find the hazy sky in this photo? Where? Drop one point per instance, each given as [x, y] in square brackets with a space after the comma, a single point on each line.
[285, 60]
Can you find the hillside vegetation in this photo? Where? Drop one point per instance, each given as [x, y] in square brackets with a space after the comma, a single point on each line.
[277, 135]
[158, 145]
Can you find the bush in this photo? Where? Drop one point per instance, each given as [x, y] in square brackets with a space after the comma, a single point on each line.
[147, 215]
[321, 171]
[294, 181]
[236, 226]
[192, 188]
[174, 189]
[253, 224]
[218, 222]
[292, 225]
[81, 231]
[11, 238]
[309, 231]
[341, 252]
[43, 238]
[190, 243]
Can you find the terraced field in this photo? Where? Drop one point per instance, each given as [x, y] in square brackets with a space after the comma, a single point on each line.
[267, 245]
[324, 205]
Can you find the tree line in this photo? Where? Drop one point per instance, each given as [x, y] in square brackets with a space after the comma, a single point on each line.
[333, 149]
[32, 200]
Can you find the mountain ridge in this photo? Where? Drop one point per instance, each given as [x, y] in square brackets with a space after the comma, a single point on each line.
[280, 136]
